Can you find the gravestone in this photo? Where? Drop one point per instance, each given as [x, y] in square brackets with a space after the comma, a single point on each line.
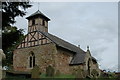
[2, 56]
[35, 73]
[57, 73]
[50, 71]
[80, 74]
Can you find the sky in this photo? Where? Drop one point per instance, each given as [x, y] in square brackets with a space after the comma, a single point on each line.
[83, 23]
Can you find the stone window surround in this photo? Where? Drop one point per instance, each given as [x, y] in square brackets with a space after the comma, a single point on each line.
[31, 55]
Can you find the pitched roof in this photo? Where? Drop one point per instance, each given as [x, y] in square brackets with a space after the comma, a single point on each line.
[38, 13]
[79, 55]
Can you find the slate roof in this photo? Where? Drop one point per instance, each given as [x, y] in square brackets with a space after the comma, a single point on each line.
[79, 55]
[38, 13]
[78, 58]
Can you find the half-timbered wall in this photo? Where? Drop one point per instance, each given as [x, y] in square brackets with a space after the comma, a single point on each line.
[34, 39]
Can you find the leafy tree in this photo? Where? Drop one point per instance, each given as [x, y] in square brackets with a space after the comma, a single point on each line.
[10, 10]
[11, 36]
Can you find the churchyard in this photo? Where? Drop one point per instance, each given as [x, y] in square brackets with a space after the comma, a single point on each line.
[50, 74]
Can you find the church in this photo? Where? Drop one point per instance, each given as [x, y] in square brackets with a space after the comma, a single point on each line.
[41, 48]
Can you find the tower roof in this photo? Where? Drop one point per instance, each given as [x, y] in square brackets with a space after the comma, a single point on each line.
[38, 14]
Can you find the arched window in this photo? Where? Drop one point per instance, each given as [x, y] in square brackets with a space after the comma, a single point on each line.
[31, 60]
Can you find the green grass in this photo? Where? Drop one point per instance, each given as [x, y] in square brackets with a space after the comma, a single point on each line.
[60, 76]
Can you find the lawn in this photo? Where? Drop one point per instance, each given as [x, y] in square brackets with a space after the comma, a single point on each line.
[42, 77]
[60, 76]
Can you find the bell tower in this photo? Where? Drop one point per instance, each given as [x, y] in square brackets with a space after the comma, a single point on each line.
[37, 22]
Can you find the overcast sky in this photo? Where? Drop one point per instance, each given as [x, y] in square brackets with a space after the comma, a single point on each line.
[90, 23]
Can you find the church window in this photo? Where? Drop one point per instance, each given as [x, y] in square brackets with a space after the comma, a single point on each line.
[31, 60]
[33, 22]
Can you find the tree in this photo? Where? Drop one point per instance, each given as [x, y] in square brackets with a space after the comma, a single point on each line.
[11, 36]
[10, 10]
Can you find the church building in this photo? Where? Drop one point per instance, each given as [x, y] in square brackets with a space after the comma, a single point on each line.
[41, 48]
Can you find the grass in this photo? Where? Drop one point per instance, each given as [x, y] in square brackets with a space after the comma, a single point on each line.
[43, 76]
[60, 76]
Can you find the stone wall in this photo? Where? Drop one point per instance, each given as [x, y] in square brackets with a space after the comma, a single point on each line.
[49, 54]
[44, 55]
[93, 65]
[62, 60]
[75, 68]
